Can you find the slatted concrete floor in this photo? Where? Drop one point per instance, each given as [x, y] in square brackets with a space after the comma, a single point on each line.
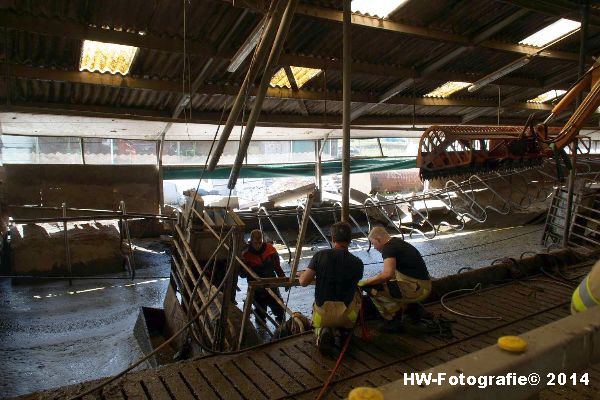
[293, 368]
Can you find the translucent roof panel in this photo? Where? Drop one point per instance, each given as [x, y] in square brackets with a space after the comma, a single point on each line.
[447, 89]
[106, 57]
[380, 8]
[301, 75]
[551, 33]
[549, 95]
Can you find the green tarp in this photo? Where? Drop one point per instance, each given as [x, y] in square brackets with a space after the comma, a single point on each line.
[283, 170]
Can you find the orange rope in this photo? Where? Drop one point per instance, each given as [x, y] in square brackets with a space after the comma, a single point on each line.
[337, 365]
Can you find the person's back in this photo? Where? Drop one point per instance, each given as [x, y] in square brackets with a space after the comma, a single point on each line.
[409, 261]
[337, 274]
[337, 300]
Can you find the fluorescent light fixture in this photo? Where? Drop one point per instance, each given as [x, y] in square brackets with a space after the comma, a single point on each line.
[499, 73]
[106, 57]
[551, 33]
[380, 8]
[549, 95]
[301, 75]
[447, 89]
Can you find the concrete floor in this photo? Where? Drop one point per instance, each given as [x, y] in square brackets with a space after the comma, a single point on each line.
[53, 334]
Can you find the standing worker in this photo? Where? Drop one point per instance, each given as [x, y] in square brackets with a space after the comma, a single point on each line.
[337, 300]
[404, 281]
[587, 293]
[264, 261]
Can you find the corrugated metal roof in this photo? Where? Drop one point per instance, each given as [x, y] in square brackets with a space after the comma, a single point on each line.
[210, 21]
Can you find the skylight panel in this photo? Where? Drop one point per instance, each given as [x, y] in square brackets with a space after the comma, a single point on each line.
[106, 57]
[549, 95]
[301, 75]
[380, 8]
[447, 89]
[551, 33]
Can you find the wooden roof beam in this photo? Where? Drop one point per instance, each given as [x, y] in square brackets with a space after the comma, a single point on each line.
[92, 78]
[387, 25]
[275, 120]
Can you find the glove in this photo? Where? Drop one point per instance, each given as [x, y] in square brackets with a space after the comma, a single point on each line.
[362, 283]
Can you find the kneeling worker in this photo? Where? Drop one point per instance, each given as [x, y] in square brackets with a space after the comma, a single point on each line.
[337, 300]
[403, 281]
[264, 261]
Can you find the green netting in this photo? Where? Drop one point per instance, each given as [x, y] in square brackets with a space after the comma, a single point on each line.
[284, 170]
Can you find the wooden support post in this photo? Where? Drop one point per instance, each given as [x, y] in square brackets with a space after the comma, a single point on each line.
[161, 194]
[318, 172]
[228, 292]
[347, 62]
[67, 249]
[301, 234]
[246, 315]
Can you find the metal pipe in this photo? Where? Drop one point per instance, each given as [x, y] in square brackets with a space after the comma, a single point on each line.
[585, 11]
[255, 66]
[347, 62]
[126, 231]
[105, 217]
[67, 249]
[282, 32]
[301, 234]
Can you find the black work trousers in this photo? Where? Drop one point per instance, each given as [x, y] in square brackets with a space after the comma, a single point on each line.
[263, 300]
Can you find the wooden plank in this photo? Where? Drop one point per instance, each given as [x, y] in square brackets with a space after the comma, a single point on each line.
[244, 385]
[155, 388]
[175, 384]
[276, 373]
[293, 369]
[132, 389]
[309, 350]
[313, 365]
[202, 390]
[257, 375]
[223, 387]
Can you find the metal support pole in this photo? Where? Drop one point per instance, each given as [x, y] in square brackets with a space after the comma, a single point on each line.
[246, 315]
[585, 11]
[318, 172]
[125, 227]
[272, 22]
[67, 249]
[161, 192]
[282, 32]
[82, 150]
[347, 62]
[301, 234]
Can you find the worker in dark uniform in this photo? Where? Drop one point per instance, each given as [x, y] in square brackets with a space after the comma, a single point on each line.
[404, 281]
[264, 261]
[337, 300]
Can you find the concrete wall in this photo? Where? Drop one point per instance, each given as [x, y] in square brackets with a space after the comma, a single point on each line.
[84, 186]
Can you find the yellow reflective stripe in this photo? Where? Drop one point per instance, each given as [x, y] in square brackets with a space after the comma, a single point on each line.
[316, 320]
[576, 302]
[589, 290]
[352, 315]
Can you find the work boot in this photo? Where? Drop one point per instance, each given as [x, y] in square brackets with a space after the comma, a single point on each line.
[326, 342]
[393, 326]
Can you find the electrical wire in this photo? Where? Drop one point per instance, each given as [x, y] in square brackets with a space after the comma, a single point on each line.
[475, 288]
